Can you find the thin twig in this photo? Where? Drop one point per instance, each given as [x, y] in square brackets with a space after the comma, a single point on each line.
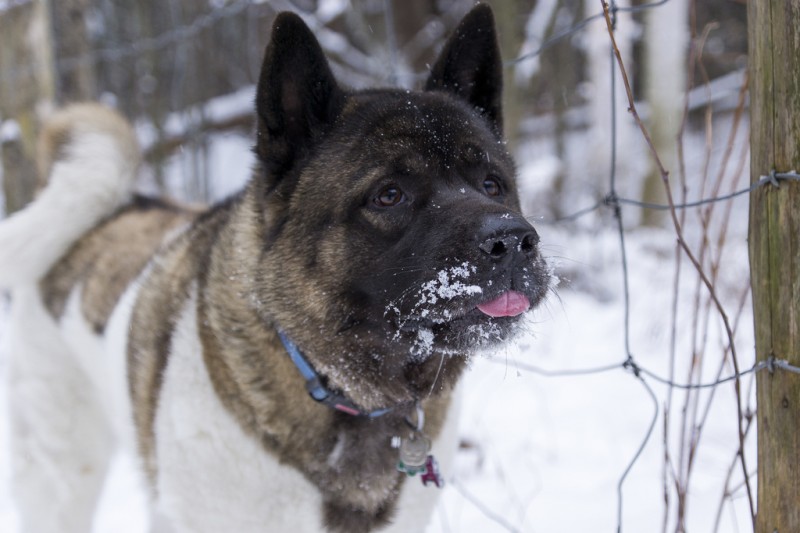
[689, 254]
[727, 492]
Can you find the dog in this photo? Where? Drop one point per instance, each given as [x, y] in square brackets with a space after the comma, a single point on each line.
[287, 359]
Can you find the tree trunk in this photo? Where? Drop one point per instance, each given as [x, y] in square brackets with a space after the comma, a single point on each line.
[510, 30]
[27, 63]
[599, 59]
[775, 255]
[75, 80]
[666, 35]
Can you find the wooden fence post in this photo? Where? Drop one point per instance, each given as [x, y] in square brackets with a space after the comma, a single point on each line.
[774, 55]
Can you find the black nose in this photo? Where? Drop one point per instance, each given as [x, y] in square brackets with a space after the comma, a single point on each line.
[507, 236]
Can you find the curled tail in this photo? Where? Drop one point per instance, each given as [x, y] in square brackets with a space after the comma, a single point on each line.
[91, 156]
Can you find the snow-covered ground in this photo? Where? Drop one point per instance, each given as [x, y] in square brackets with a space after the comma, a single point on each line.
[546, 454]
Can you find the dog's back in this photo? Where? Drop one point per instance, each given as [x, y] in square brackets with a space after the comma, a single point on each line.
[87, 237]
[83, 241]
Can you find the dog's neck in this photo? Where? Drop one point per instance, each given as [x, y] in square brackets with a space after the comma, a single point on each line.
[322, 394]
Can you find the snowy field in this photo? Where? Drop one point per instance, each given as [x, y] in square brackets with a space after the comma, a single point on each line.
[546, 454]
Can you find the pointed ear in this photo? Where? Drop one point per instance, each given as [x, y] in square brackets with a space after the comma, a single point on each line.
[470, 65]
[297, 96]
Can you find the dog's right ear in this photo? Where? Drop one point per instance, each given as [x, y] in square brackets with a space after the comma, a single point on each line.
[297, 96]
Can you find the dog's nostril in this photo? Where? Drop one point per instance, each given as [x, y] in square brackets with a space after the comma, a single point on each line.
[498, 249]
[528, 243]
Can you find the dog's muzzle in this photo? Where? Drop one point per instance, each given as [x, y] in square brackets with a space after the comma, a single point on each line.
[509, 242]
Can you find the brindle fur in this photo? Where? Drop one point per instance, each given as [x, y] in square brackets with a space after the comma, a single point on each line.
[109, 258]
[303, 248]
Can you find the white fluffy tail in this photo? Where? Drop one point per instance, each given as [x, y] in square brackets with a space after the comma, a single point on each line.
[91, 156]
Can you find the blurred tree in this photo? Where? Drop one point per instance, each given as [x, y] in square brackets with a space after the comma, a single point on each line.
[666, 35]
[26, 85]
[70, 37]
[510, 17]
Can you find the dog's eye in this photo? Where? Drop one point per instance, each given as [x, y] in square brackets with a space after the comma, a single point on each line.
[389, 197]
[492, 187]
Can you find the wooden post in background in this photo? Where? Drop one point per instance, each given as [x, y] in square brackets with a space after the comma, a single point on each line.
[26, 82]
[774, 56]
[32, 34]
[76, 82]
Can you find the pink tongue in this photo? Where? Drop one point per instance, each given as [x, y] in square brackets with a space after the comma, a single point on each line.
[509, 303]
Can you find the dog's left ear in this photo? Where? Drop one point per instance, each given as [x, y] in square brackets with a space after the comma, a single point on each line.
[470, 66]
[297, 98]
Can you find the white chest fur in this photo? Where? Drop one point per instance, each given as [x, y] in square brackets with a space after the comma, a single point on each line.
[212, 476]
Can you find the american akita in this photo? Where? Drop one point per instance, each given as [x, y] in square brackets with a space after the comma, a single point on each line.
[377, 246]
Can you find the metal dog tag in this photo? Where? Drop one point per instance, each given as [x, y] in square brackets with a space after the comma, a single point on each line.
[414, 454]
[415, 457]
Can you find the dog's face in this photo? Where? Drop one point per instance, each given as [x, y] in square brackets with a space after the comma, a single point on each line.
[420, 227]
[391, 222]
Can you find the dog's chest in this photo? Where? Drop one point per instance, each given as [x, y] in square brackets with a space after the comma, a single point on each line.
[210, 472]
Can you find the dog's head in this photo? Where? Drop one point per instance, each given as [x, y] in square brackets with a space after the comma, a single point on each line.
[394, 244]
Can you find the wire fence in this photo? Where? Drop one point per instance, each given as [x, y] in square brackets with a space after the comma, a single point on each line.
[615, 203]
[611, 201]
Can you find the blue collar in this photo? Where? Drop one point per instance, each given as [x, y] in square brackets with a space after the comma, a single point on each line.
[317, 390]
